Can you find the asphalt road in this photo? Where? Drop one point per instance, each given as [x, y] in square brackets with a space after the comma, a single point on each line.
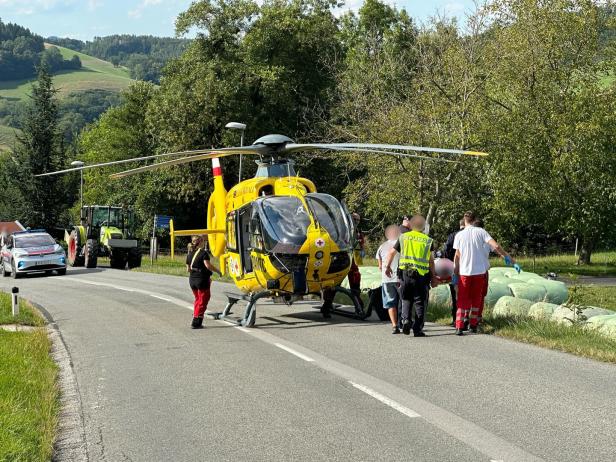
[298, 388]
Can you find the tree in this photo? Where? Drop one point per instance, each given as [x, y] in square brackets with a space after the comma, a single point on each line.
[546, 99]
[40, 150]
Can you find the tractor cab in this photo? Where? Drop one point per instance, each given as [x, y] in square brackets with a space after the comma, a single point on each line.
[105, 231]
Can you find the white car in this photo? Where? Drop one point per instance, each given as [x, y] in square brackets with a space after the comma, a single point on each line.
[31, 252]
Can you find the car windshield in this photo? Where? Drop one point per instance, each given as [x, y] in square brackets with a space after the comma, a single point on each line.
[285, 221]
[330, 215]
[37, 240]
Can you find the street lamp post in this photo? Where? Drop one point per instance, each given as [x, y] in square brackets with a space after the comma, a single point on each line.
[242, 128]
[78, 163]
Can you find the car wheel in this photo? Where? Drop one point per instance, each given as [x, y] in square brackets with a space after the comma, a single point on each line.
[61, 272]
[14, 272]
[3, 270]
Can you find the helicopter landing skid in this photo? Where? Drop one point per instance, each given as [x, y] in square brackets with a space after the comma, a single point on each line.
[361, 312]
[250, 313]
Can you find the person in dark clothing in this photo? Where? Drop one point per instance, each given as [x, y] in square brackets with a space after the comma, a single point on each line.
[417, 264]
[200, 273]
[449, 252]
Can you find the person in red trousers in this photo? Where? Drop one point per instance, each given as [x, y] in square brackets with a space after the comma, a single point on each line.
[471, 271]
[200, 271]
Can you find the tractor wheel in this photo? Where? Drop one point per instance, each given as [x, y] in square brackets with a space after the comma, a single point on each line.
[117, 261]
[376, 302]
[134, 258]
[91, 253]
[74, 249]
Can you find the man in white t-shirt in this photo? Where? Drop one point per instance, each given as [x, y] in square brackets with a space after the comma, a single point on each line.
[389, 286]
[471, 271]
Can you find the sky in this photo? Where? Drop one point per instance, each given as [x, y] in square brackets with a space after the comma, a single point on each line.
[85, 19]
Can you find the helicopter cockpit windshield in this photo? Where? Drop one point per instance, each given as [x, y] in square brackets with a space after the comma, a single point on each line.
[330, 214]
[285, 221]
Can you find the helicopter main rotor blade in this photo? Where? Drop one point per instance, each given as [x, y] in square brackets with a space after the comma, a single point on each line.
[210, 154]
[379, 151]
[292, 147]
[257, 150]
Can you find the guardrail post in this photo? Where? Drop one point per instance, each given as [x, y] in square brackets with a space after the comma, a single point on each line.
[15, 301]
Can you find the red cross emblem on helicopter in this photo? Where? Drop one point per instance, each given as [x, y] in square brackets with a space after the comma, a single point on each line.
[320, 242]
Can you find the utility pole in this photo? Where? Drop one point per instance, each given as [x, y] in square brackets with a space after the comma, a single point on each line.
[78, 163]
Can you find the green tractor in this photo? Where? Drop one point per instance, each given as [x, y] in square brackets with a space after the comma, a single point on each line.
[104, 232]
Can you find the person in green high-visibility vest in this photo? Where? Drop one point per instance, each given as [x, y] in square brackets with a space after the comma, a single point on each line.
[417, 270]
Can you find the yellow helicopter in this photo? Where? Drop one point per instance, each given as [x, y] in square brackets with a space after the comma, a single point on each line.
[275, 235]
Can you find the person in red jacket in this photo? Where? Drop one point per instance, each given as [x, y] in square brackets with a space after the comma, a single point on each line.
[200, 273]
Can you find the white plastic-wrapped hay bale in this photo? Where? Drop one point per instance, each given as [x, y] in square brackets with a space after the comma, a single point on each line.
[605, 324]
[500, 280]
[370, 278]
[532, 292]
[522, 276]
[440, 295]
[511, 306]
[542, 310]
[498, 271]
[564, 315]
[555, 291]
[495, 291]
[593, 311]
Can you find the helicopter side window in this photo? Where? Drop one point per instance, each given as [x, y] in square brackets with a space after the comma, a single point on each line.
[285, 221]
[231, 234]
[331, 215]
[256, 237]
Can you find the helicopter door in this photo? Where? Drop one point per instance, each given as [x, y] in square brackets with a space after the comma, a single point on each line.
[243, 223]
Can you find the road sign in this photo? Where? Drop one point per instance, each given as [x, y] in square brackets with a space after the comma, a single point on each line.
[162, 221]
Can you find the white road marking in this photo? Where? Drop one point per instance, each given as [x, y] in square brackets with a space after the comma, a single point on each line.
[161, 298]
[293, 352]
[385, 400]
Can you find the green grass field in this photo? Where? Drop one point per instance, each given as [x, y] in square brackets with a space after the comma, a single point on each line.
[94, 74]
[602, 264]
[28, 391]
[172, 267]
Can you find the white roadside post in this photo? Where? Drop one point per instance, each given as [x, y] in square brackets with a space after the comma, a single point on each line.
[15, 301]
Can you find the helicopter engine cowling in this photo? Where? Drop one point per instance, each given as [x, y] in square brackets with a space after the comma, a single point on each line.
[217, 211]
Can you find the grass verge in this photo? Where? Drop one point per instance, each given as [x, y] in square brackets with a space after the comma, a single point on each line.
[172, 267]
[28, 391]
[27, 315]
[602, 264]
[571, 339]
[594, 295]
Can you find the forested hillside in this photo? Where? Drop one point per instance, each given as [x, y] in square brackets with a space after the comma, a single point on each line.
[144, 56]
[21, 52]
